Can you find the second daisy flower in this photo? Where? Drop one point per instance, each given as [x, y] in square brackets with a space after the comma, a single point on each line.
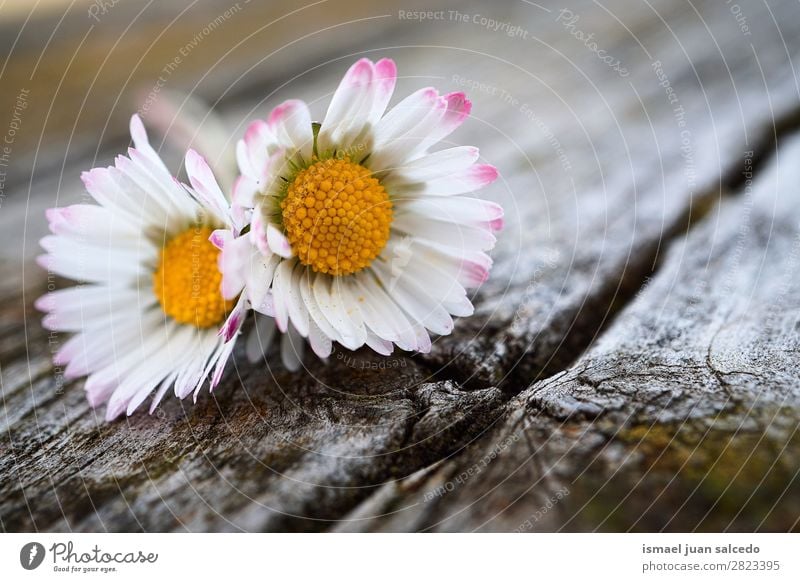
[359, 233]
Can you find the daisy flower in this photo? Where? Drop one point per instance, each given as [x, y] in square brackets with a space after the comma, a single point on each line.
[362, 233]
[187, 122]
[149, 314]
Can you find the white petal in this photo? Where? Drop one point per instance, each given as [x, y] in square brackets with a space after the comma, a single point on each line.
[384, 80]
[438, 283]
[281, 291]
[350, 107]
[458, 109]
[219, 368]
[470, 269]
[102, 343]
[233, 323]
[386, 309]
[95, 264]
[205, 184]
[330, 304]
[436, 165]
[458, 236]
[278, 243]
[77, 308]
[252, 152]
[158, 200]
[194, 374]
[317, 318]
[259, 278]
[382, 347]
[357, 105]
[321, 344]
[233, 260]
[136, 388]
[290, 122]
[160, 185]
[112, 376]
[423, 339]
[412, 299]
[406, 115]
[292, 350]
[473, 178]
[162, 389]
[258, 231]
[402, 129]
[245, 190]
[297, 310]
[123, 199]
[458, 210]
[91, 222]
[142, 143]
[260, 338]
[376, 319]
[244, 267]
[347, 294]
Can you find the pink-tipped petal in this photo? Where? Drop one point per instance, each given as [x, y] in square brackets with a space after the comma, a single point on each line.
[385, 79]
[203, 181]
[97, 394]
[73, 370]
[485, 173]
[407, 114]
[219, 237]
[252, 152]
[423, 340]
[138, 132]
[142, 144]
[290, 122]
[357, 104]
[473, 178]
[54, 219]
[44, 303]
[258, 229]
[458, 109]
[473, 274]
[436, 165]
[231, 262]
[245, 189]
[233, 324]
[44, 261]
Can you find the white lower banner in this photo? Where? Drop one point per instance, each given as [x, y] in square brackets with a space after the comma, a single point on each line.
[355, 557]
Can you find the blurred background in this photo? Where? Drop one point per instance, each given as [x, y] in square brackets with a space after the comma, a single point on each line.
[87, 66]
[636, 345]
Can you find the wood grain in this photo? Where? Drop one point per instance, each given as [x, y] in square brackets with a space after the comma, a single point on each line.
[632, 360]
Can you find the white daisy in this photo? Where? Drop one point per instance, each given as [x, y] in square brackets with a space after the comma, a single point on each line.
[149, 314]
[187, 122]
[359, 234]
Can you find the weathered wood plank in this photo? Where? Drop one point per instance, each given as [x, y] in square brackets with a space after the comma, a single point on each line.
[597, 190]
[591, 234]
[684, 416]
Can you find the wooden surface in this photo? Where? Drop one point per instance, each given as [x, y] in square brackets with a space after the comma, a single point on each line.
[633, 360]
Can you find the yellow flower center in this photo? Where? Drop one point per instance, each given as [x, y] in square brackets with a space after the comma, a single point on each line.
[187, 280]
[336, 216]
